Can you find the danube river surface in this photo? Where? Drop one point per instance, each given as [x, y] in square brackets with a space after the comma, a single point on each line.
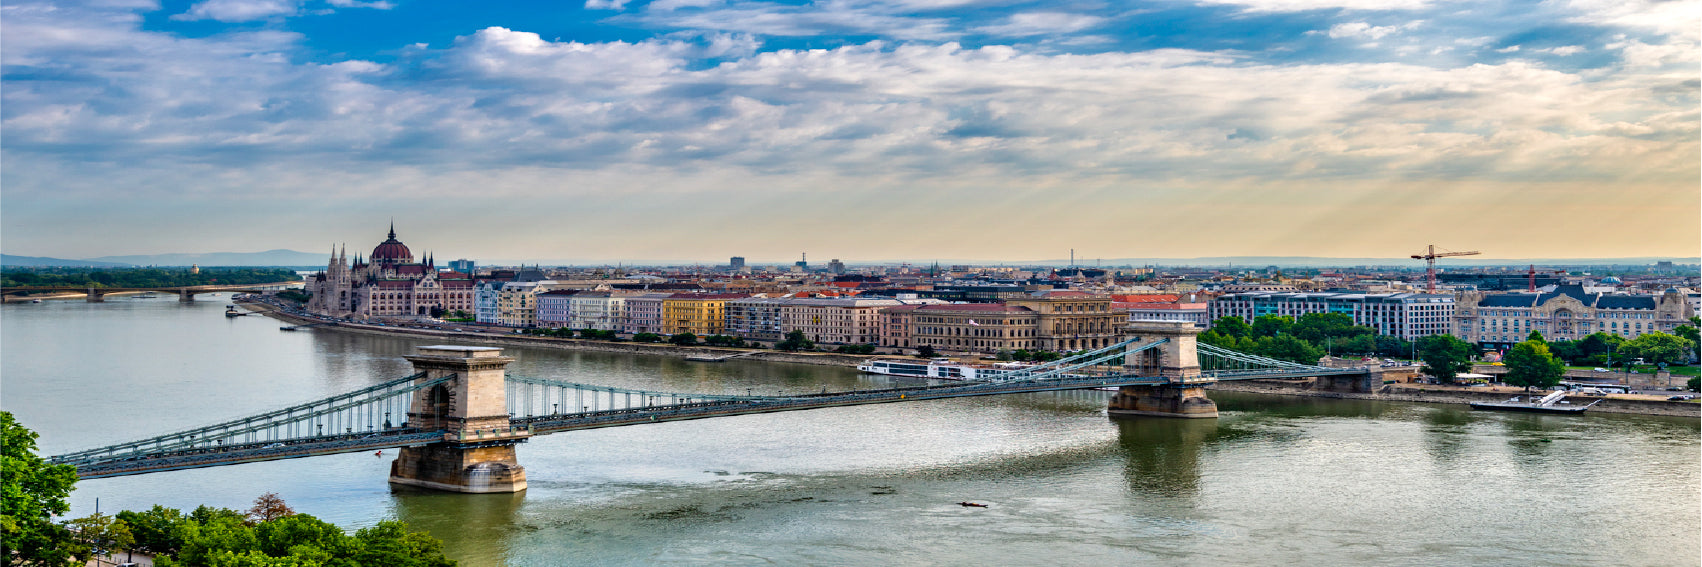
[1274, 481]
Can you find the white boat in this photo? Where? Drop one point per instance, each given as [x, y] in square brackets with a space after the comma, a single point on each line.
[939, 369]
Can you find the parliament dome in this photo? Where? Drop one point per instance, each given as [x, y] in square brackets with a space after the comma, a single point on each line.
[391, 251]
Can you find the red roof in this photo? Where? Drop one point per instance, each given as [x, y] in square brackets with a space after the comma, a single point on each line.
[1146, 298]
[709, 296]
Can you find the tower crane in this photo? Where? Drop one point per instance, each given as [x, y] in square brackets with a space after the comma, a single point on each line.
[1429, 258]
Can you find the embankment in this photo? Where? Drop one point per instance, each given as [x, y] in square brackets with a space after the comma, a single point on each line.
[820, 358]
[1400, 393]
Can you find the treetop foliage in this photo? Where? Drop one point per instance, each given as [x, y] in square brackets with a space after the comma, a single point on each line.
[12, 276]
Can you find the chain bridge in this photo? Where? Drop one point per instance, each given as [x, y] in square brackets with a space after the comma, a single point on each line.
[458, 418]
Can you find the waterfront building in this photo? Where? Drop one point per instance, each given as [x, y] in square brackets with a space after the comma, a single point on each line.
[517, 303]
[1197, 313]
[975, 327]
[756, 318]
[644, 313]
[389, 283]
[555, 309]
[464, 266]
[602, 310]
[835, 321]
[701, 314]
[484, 301]
[1500, 320]
[1070, 320]
[896, 324]
[1405, 315]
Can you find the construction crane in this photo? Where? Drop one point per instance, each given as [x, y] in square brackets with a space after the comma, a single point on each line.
[1430, 264]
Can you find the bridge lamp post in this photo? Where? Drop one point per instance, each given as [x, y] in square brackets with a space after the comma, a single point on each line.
[555, 409]
[387, 420]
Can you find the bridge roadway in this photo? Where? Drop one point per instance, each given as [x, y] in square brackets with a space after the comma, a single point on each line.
[230, 454]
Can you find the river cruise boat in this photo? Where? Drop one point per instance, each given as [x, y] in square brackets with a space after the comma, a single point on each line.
[940, 369]
[1553, 403]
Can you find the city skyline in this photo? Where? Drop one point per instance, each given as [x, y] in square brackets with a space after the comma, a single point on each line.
[668, 129]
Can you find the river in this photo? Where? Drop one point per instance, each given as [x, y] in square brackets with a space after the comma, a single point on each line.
[1275, 480]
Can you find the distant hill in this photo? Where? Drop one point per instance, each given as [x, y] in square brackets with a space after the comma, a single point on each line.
[267, 258]
[40, 261]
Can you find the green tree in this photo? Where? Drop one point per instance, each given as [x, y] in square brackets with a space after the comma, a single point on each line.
[796, 341]
[1694, 383]
[1598, 344]
[1271, 325]
[1688, 333]
[1445, 356]
[32, 493]
[647, 338]
[683, 339]
[1231, 326]
[924, 351]
[158, 530]
[1289, 348]
[1535, 336]
[1655, 348]
[1393, 346]
[99, 534]
[1529, 364]
[1316, 327]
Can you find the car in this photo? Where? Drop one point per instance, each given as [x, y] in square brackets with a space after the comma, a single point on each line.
[1675, 389]
[1680, 398]
[1603, 370]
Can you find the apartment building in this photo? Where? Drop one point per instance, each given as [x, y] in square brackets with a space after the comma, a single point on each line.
[757, 318]
[1073, 320]
[555, 308]
[835, 321]
[700, 314]
[644, 313]
[1405, 315]
[600, 310]
[975, 327]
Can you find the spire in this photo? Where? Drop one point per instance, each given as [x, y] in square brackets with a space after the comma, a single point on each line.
[392, 228]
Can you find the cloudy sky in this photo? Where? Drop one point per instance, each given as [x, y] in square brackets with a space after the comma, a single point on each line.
[858, 129]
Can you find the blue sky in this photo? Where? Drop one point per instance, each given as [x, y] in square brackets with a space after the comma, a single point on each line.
[603, 130]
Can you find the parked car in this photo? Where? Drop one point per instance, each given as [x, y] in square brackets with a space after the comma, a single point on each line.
[1603, 370]
[1680, 398]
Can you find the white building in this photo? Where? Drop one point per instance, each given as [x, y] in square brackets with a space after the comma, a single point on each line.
[1500, 320]
[1405, 315]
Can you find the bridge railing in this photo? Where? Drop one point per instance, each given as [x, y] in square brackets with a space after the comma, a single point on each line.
[542, 396]
[370, 410]
[1219, 361]
[1078, 363]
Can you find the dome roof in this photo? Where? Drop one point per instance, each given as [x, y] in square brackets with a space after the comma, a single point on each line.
[391, 251]
[1611, 280]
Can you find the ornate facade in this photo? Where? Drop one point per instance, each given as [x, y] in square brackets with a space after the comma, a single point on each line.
[389, 283]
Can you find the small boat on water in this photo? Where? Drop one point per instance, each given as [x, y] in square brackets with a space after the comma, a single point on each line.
[971, 505]
[1555, 402]
[939, 369]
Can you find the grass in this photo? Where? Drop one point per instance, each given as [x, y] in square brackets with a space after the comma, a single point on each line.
[1676, 370]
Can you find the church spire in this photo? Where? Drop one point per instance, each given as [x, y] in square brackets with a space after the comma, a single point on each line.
[392, 229]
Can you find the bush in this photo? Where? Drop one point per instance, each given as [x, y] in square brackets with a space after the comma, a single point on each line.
[647, 338]
[683, 339]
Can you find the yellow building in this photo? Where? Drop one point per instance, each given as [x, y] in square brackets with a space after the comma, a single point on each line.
[701, 314]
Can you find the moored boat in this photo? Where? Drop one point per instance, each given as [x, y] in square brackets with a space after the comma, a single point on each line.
[1553, 403]
[939, 369]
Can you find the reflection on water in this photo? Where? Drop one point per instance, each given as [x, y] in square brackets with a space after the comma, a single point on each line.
[1164, 453]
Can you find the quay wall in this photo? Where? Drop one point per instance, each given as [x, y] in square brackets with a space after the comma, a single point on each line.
[659, 349]
[1399, 393]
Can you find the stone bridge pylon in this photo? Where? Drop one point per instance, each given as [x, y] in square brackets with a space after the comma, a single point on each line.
[476, 453]
[1177, 360]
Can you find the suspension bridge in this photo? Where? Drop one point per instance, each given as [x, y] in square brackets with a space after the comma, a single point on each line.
[459, 416]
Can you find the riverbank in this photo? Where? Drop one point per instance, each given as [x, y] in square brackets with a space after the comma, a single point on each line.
[509, 339]
[1444, 395]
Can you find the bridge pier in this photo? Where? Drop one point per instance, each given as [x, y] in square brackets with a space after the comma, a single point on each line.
[1178, 362]
[185, 296]
[95, 296]
[1360, 383]
[476, 454]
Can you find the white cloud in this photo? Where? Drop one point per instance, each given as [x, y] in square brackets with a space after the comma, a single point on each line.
[1309, 5]
[1360, 30]
[1508, 49]
[1563, 50]
[606, 4]
[240, 10]
[1041, 23]
[375, 4]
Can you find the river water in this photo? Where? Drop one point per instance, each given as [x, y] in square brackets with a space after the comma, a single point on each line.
[1274, 481]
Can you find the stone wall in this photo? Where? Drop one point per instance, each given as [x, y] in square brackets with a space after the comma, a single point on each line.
[1399, 393]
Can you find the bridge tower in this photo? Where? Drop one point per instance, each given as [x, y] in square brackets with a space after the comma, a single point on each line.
[477, 451]
[1178, 361]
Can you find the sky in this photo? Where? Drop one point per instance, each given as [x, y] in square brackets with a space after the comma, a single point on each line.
[1003, 130]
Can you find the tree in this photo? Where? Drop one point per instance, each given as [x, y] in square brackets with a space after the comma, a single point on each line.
[1535, 336]
[99, 534]
[1316, 327]
[1655, 348]
[1393, 346]
[1289, 348]
[158, 530]
[795, 341]
[683, 339]
[1688, 333]
[1694, 383]
[646, 338]
[1598, 344]
[924, 351]
[1231, 326]
[1271, 325]
[1445, 356]
[268, 507]
[32, 493]
[1529, 364]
